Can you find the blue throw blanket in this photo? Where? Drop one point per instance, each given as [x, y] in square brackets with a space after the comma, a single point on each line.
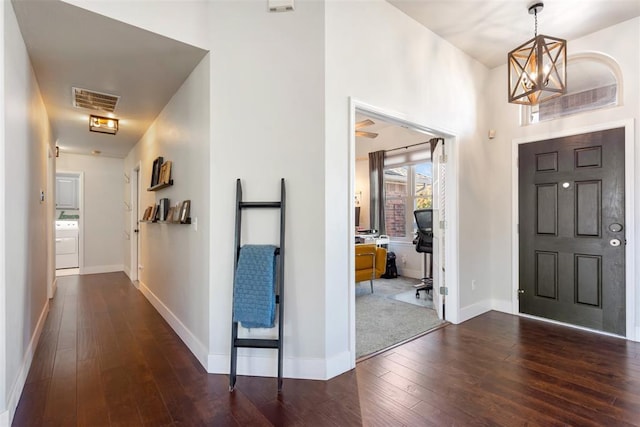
[254, 302]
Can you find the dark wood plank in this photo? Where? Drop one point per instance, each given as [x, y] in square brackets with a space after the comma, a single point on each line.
[106, 357]
[92, 405]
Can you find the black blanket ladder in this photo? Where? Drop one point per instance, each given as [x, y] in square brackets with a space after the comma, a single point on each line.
[259, 343]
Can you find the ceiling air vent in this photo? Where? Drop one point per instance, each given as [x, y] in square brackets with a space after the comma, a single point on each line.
[89, 99]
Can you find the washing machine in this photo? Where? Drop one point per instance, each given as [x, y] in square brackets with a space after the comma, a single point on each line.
[67, 247]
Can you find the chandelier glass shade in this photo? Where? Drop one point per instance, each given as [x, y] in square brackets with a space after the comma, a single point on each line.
[537, 68]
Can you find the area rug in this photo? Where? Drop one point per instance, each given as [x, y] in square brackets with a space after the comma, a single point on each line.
[383, 319]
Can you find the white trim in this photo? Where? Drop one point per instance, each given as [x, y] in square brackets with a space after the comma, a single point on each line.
[474, 310]
[629, 203]
[18, 386]
[408, 272]
[96, 269]
[127, 271]
[50, 230]
[264, 363]
[451, 151]
[4, 416]
[81, 233]
[452, 227]
[54, 288]
[198, 349]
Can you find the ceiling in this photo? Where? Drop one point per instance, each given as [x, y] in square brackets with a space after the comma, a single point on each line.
[70, 46]
[488, 29]
[390, 136]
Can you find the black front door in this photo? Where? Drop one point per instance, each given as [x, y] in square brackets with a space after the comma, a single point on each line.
[572, 230]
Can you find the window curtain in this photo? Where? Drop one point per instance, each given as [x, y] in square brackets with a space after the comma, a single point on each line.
[434, 143]
[376, 191]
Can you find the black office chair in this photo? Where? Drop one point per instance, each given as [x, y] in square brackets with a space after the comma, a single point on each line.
[424, 244]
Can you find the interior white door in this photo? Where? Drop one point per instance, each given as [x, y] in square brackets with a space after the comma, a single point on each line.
[135, 227]
[439, 217]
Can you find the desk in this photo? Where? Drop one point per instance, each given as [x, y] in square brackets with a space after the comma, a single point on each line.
[370, 238]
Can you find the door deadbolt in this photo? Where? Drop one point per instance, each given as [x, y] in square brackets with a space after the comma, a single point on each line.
[614, 242]
[615, 227]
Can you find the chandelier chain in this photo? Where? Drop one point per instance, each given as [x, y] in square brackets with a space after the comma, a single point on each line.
[535, 14]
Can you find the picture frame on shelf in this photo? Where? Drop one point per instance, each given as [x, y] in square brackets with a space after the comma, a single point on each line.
[176, 213]
[147, 213]
[163, 208]
[155, 171]
[154, 213]
[170, 214]
[165, 173]
[184, 211]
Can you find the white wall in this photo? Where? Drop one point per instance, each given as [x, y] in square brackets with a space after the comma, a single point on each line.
[421, 78]
[102, 199]
[175, 257]
[505, 119]
[268, 123]
[26, 138]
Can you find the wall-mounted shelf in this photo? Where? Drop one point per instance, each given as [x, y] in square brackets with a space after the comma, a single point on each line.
[161, 186]
[188, 221]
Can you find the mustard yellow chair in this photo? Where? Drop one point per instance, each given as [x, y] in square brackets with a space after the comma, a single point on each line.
[371, 263]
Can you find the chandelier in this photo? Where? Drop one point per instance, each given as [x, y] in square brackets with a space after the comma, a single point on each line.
[537, 69]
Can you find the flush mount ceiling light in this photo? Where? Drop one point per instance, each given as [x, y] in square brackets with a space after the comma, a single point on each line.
[537, 69]
[103, 124]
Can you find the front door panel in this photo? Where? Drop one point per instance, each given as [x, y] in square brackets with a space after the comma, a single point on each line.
[571, 214]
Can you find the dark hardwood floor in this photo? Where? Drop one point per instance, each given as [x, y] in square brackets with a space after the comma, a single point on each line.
[107, 358]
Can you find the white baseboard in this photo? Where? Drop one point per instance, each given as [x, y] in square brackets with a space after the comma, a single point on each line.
[96, 269]
[502, 306]
[127, 271]
[199, 350]
[264, 363]
[338, 364]
[474, 310]
[407, 272]
[54, 287]
[637, 336]
[18, 386]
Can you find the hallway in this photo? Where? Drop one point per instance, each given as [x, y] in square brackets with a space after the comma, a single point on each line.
[107, 358]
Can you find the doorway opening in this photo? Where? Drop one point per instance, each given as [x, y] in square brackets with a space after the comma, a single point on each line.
[387, 309]
[69, 223]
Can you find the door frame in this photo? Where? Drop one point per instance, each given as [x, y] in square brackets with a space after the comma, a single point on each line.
[134, 238]
[629, 178]
[80, 175]
[451, 151]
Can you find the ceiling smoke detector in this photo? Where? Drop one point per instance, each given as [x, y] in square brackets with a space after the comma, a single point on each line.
[92, 100]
